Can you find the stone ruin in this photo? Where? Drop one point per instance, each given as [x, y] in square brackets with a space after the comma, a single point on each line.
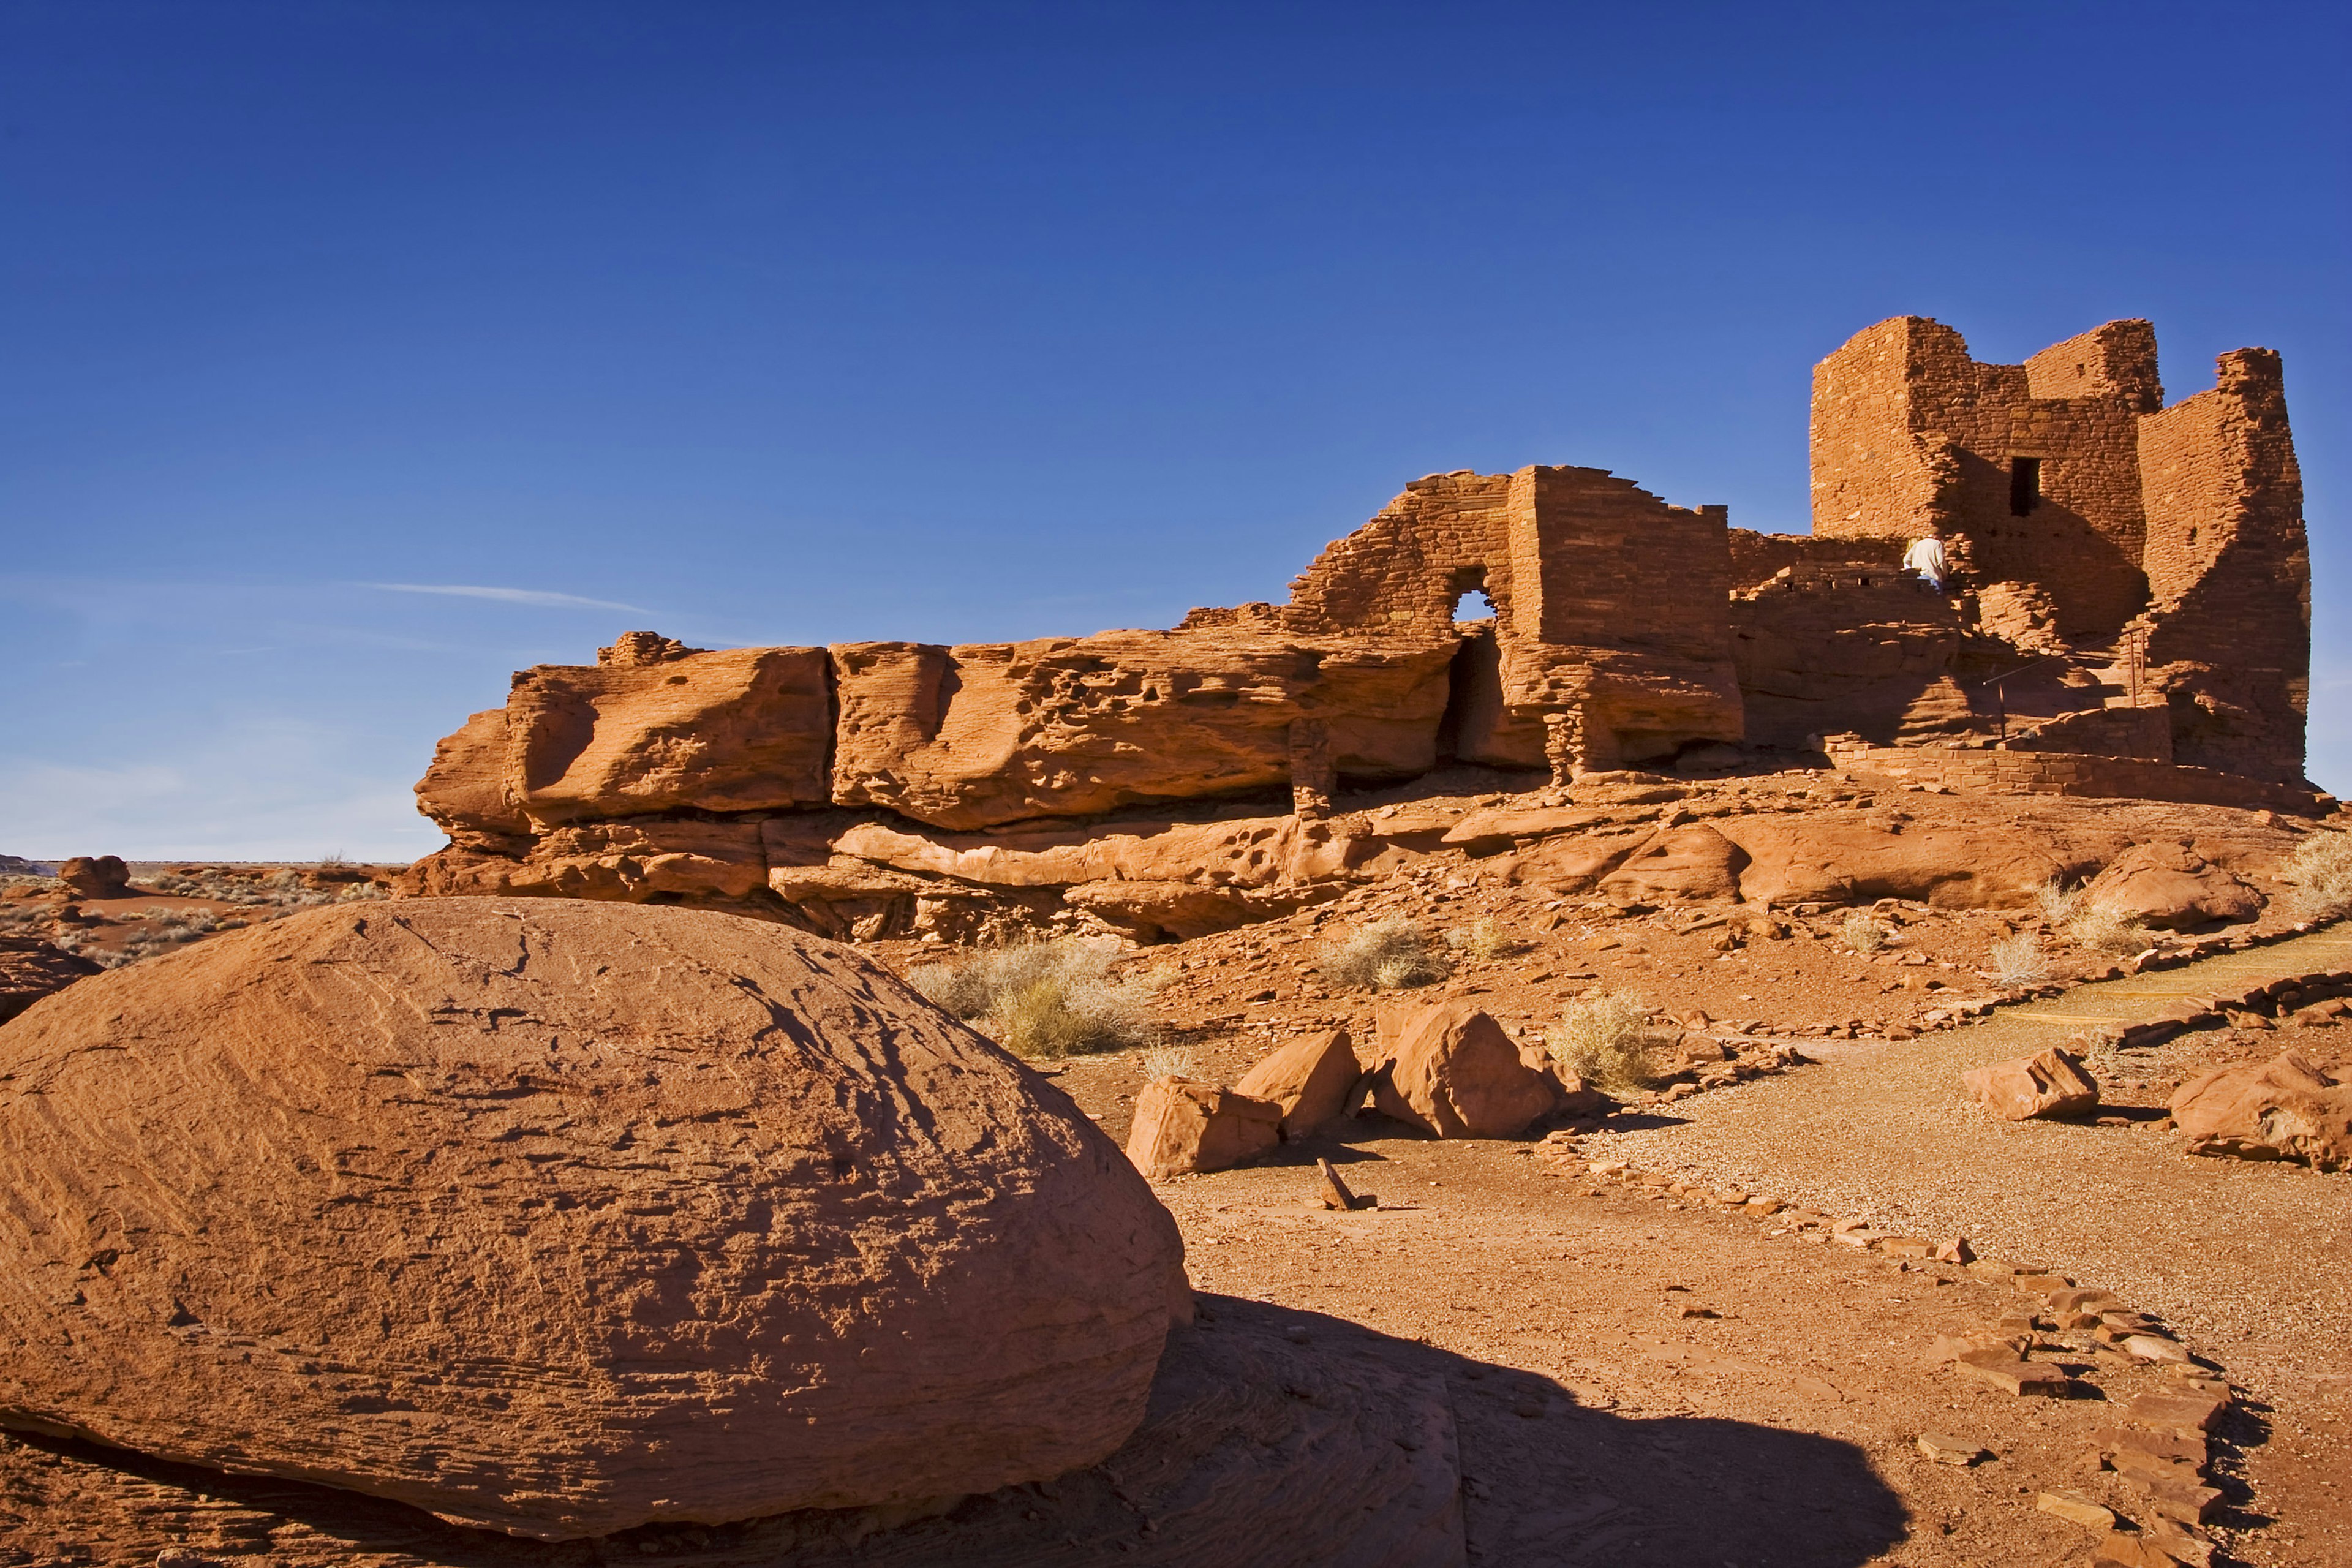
[2128, 614]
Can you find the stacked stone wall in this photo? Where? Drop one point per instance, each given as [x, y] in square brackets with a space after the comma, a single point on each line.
[2228, 633]
[2017, 771]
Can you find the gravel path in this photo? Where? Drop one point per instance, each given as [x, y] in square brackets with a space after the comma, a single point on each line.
[2248, 1260]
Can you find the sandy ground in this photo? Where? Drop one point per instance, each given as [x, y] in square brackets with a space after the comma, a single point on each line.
[1569, 1294]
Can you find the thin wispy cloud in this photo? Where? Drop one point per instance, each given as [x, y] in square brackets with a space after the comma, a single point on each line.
[545, 599]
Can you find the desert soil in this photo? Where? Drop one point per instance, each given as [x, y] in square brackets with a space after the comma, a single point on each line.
[1603, 1423]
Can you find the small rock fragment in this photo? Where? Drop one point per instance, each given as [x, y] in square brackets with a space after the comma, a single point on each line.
[2081, 1509]
[1949, 1450]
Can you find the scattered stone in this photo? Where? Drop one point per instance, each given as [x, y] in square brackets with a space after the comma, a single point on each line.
[2189, 1414]
[2004, 1370]
[2118, 1549]
[1950, 1450]
[1957, 1250]
[2080, 1509]
[2153, 1347]
[2050, 1083]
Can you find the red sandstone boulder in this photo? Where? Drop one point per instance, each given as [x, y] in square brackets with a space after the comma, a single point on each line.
[561, 1217]
[1693, 862]
[2287, 1109]
[1452, 1071]
[1183, 1126]
[1570, 866]
[2048, 1084]
[1308, 1080]
[96, 877]
[2171, 886]
[31, 968]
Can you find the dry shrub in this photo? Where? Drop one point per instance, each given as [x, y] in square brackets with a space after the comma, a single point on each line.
[2018, 961]
[1863, 932]
[1043, 998]
[1387, 955]
[1604, 1039]
[2321, 870]
[2060, 903]
[2104, 929]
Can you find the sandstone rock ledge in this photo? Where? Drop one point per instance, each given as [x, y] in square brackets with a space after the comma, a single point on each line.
[563, 1218]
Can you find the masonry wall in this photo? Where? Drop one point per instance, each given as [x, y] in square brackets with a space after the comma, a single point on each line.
[1912, 438]
[2229, 565]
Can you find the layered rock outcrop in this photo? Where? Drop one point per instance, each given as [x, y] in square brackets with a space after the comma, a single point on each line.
[559, 1217]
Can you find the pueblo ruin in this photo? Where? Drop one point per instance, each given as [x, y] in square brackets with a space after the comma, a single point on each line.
[2123, 610]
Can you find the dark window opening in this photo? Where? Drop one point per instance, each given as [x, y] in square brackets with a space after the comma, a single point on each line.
[2024, 485]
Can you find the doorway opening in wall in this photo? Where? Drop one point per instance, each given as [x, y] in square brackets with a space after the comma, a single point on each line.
[1474, 703]
[2024, 485]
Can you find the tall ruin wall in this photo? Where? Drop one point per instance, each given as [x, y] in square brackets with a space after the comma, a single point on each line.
[2171, 536]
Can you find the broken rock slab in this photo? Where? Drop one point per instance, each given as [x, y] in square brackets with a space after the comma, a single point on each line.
[2285, 1108]
[1308, 1080]
[1452, 1071]
[1184, 1127]
[2048, 1084]
[32, 968]
[576, 1199]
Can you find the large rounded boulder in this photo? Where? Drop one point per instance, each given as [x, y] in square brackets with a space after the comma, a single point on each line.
[561, 1217]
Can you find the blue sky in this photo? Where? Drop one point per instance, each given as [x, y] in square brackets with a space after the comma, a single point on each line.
[774, 323]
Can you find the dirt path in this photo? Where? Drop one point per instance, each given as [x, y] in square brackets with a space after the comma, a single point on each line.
[2249, 1260]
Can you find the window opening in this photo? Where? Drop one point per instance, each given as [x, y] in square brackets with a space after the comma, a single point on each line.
[2024, 485]
[1473, 605]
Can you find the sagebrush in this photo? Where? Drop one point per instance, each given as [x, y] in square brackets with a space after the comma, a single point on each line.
[1605, 1040]
[1387, 955]
[1045, 998]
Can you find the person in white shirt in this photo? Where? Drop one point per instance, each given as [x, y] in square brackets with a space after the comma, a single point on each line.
[1925, 557]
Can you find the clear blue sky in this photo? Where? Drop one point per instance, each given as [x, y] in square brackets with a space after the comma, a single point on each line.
[761, 322]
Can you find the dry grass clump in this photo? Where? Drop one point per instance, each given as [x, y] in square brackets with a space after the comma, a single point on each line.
[1387, 955]
[2321, 870]
[1168, 1062]
[1484, 941]
[1863, 932]
[1604, 1039]
[1043, 998]
[2075, 915]
[2019, 961]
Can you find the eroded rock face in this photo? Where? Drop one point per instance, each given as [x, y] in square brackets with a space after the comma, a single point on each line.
[2286, 1109]
[970, 737]
[1839, 858]
[32, 968]
[557, 1217]
[2170, 885]
[1452, 1072]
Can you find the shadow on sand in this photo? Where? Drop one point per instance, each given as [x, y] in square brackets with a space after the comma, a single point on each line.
[1544, 1481]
